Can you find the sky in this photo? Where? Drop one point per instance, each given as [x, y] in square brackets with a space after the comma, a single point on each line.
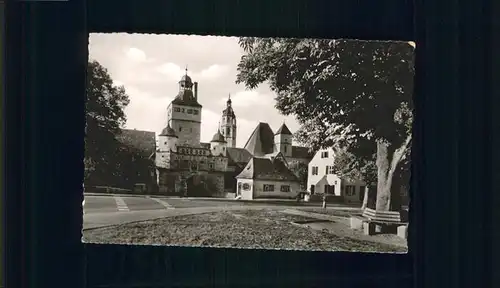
[149, 66]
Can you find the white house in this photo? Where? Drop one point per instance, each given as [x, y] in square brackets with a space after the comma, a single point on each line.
[321, 179]
[267, 177]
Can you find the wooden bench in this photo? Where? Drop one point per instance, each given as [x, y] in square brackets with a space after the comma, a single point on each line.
[377, 220]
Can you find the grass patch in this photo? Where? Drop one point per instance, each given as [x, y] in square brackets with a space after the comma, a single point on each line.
[266, 229]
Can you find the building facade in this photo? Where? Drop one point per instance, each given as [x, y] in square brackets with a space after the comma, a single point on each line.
[321, 179]
[267, 177]
[185, 165]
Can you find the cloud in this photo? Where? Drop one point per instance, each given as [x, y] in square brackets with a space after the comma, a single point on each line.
[249, 98]
[171, 70]
[209, 124]
[146, 112]
[214, 71]
[175, 72]
[135, 54]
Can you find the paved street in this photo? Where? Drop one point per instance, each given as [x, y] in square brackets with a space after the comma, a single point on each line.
[106, 210]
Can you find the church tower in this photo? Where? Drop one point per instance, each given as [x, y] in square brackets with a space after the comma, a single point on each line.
[184, 113]
[283, 141]
[228, 124]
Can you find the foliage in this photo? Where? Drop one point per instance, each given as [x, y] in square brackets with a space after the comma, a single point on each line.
[104, 117]
[352, 168]
[89, 165]
[344, 90]
[300, 170]
[353, 95]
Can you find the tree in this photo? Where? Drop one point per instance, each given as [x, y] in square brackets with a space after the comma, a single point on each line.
[349, 166]
[300, 170]
[351, 94]
[104, 118]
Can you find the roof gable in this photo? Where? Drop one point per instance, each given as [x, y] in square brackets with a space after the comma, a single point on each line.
[261, 141]
[283, 130]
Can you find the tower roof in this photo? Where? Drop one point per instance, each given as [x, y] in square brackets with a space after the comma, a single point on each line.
[168, 131]
[186, 98]
[261, 141]
[218, 137]
[229, 110]
[283, 130]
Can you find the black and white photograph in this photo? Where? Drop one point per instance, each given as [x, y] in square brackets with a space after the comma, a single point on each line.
[248, 143]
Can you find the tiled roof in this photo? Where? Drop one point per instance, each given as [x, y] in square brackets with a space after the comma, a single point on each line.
[238, 155]
[266, 169]
[143, 141]
[261, 141]
[186, 98]
[301, 152]
[283, 130]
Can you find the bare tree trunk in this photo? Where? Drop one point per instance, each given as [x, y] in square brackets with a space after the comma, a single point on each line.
[388, 159]
[365, 198]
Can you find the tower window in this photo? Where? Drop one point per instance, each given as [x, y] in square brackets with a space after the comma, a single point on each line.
[180, 129]
[195, 112]
[285, 149]
[189, 111]
[165, 143]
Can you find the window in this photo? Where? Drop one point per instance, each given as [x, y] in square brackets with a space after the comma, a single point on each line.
[246, 186]
[312, 189]
[324, 154]
[183, 110]
[329, 170]
[314, 170]
[165, 143]
[228, 131]
[195, 112]
[349, 190]
[190, 111]
[194, 166]
[268, 188]
[177, 109]
[180, 129]
[285, 188]
[330, 189]
[285, 148]
[210, 165]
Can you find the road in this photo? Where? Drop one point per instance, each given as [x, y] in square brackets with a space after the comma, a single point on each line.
[108, 210]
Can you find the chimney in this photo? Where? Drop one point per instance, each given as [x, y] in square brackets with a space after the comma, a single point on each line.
[196, 91]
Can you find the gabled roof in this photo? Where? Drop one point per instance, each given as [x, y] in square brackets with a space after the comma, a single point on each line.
[238, 155]
[283, 130]
[261, 141]
[277, 156]
[301, 152]
[266, 169]
[186, 98]
[142, 141]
